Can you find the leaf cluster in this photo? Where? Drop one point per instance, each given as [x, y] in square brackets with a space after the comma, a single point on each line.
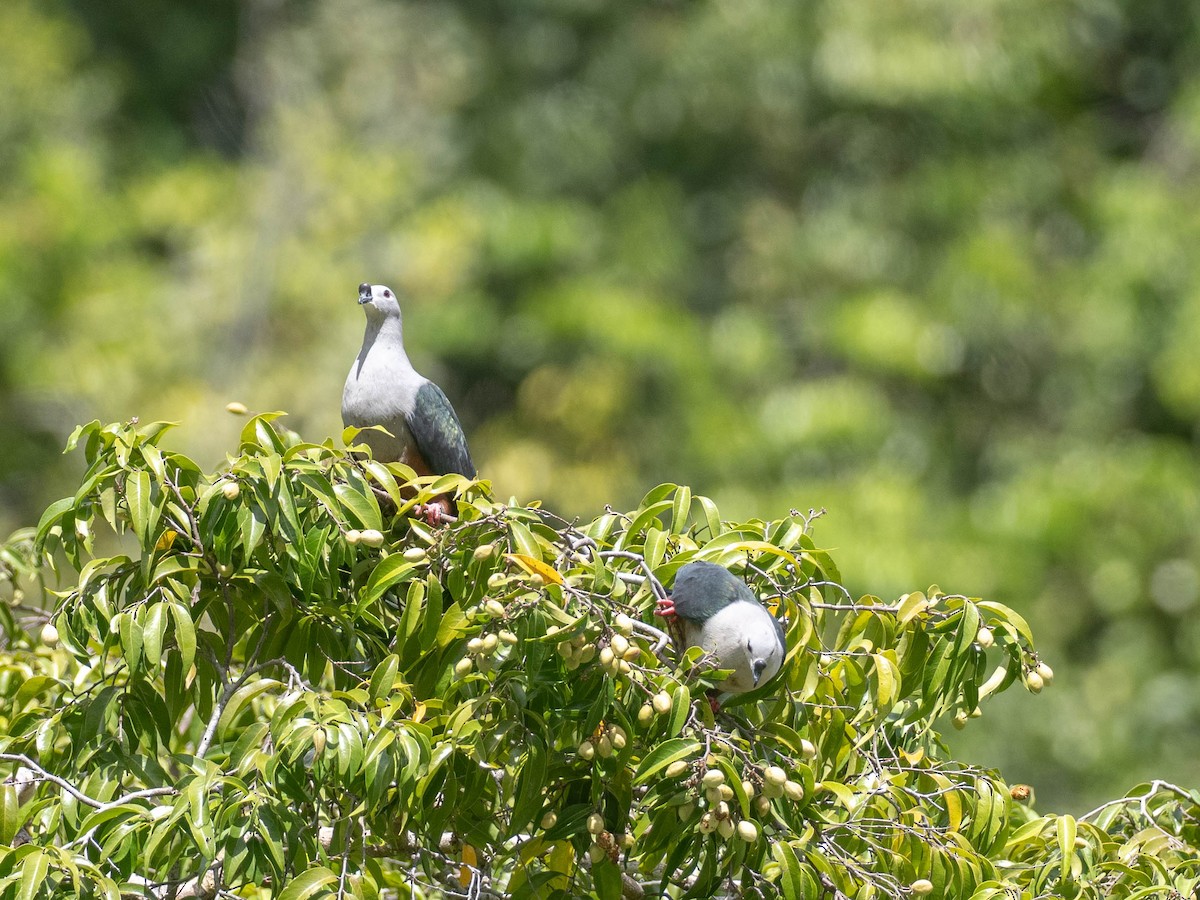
[276, 680]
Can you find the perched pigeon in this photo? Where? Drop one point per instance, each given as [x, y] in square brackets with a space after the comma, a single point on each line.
[384, 389]
[721, 615]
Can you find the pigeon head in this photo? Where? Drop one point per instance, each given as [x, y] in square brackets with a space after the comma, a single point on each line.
[378, 300]
[764, 652]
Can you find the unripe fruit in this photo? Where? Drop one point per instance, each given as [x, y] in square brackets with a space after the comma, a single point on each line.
[224, 569]
[415, 554]
[713, 796]
[662, 703]
[596, 854]
[618, 737]
[508, 637]
[549, 820]
[604, 746]
[49, 635]
[483, 551]
[1046, 673]
[595, 823]
[231, 490]
[587, 750]
[725, 791]
[1034, 682]
[985, 638]
[722, 810]
[353, 536]
[489, 643]
[318, 742]
[794, 791]
[624, 667]
[960, 720]
[645, 714]
[775, 775]
[772, 790]
[685, 812]
[762, 805]
[713, 778]
[606, 657]
[235, 408]
[747, 831]
[623, 624]
[708, 823]
[474, 645]
[619, 644]
[921, 887]
[463, 666]
[725, 828]
[372, 537]
[494, 608]
[975, 713]
[587, 654]
[627, 841]
[808, 748]
[633, 653]
[677, 768]
[496, 580]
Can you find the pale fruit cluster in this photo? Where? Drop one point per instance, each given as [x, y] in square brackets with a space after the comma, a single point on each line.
[718, 795]
[776, 783]
[370, 537]
[604, 842]
[1040, 676]
[608, 740]
[482, 649]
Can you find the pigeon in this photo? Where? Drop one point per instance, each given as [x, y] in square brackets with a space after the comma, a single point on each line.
[721, 615]
[384, 389]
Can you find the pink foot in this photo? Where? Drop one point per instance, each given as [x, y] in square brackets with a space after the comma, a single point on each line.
[432, 513]
[665, 608]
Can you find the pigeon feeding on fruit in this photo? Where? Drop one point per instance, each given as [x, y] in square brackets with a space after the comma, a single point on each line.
[384, 389]
[721, 615]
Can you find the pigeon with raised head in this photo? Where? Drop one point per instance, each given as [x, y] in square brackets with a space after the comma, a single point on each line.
[384, 389]
[720, 614]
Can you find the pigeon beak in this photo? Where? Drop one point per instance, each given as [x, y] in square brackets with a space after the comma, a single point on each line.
[365, 294]
[757, 669]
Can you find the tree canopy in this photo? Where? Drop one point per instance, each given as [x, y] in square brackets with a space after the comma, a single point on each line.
[271, 681]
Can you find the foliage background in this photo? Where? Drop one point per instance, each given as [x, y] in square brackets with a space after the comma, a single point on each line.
[928, 265]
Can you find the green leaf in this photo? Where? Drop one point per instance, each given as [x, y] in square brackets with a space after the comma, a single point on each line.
[241, 697]
[1066, 830]
[524, 541]
[527, 801]
[391, 571]
[791, 881]
[383, 679]
[139, 496]
[185, 634]
[359, 503]
[681, 709]
[307, 884]
[10, 821]
[681, 508]
[33, 873]
[663, 755]
[152, 633]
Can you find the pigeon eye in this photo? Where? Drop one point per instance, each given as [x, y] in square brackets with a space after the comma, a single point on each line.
[387, 293]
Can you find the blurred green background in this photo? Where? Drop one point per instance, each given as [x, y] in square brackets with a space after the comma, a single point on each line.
[929, 265]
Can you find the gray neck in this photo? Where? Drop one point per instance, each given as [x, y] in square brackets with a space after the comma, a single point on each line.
[385, 334]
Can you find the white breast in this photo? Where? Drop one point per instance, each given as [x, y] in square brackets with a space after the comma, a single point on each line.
[381, 389]
[727, 636]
